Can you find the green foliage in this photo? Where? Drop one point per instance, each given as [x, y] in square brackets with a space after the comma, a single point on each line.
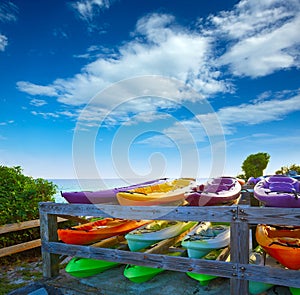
[19, 198]
[255, 164]
[287, 169]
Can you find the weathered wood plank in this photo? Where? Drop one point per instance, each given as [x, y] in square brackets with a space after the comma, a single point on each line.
[270, 215]
[184, 213]
[183, 264]
[272, 275]
[20, 247]
[48, 230]
[239, 249]
[23, 225]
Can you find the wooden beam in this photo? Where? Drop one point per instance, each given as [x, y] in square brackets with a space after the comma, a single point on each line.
[20, 247]
[23, 225]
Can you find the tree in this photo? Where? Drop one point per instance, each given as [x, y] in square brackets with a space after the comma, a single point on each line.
[285, 170]
[255, 164]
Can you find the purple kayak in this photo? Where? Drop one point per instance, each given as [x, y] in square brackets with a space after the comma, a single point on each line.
[278, 191]
[218, 191]
[104, 196]
[254, 180]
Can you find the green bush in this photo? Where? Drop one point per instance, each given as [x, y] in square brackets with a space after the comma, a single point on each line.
[19, 198]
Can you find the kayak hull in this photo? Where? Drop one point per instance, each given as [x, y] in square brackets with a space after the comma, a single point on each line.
[107, 196]
[218, 191]
[138, 240]
[278, 243]
[86, 267]
[170, 193]
[93, 232]
[198, 243]
[278, 191]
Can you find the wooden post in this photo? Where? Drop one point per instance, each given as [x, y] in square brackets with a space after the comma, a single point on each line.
[239, 254]
[48, 228]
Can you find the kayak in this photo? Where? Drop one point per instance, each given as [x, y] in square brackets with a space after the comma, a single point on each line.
[98, 230]
[218, 191]
[86, 267]
[294, 291]
[206, 237]
[254, 180]
[282, 243]
[259, 257]
[154, 232]
[278, 191]
[103, 196]
[167, 193]
[216, 254]
[141, 274]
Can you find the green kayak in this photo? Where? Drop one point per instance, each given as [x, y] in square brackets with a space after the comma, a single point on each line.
[86, 267]
[216, 254]
[295, 291]
[141, 274]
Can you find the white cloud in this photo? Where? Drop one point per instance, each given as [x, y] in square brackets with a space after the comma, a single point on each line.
[3, 42]
[264, 36]
[175, 53]
[45, 115]
[8, 11]
[87, 9]
[35, 89]
[38, 102]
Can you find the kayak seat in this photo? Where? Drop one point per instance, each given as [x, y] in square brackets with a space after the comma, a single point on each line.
[281, 187]
[281, 179]
[215, 188]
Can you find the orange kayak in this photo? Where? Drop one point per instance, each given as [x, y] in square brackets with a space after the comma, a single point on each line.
[282, 243]
[93, 232]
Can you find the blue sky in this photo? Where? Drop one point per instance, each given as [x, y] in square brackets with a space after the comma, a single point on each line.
[100, 88]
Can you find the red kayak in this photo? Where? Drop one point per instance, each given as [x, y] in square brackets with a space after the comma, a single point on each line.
[93, 232]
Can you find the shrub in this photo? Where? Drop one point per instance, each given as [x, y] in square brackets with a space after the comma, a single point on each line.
[19, 198]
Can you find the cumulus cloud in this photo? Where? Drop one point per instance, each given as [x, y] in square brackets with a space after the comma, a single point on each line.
[263, 36]
[34, 89]
[176, 53]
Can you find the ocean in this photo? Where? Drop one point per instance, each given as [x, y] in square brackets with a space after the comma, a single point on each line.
[69, 185]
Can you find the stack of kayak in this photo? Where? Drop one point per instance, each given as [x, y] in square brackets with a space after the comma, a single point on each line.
[217, 191]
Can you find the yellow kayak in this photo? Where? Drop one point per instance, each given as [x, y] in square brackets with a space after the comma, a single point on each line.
[168, 193]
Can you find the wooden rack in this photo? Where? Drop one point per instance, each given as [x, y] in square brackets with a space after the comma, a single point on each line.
[241, 218]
